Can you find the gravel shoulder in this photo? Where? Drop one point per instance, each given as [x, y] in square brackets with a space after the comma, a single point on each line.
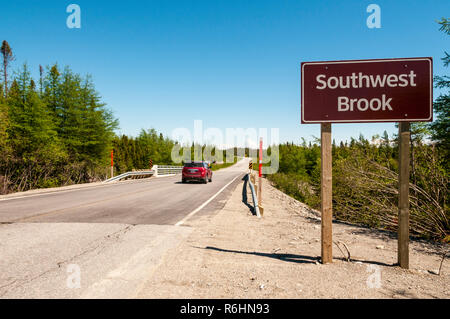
[233, 254]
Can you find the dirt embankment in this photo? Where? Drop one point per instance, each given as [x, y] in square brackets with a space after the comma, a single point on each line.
[233, 254]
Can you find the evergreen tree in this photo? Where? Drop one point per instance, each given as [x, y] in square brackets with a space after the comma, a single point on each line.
[4, 124]
[31, 131]
[8, 57]
[52, 94]
[41, 79]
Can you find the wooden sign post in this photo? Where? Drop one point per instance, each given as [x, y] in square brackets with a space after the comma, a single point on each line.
[326, 194]
[403, 193]
[367, 91]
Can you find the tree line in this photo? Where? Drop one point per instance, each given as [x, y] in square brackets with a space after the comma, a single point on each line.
[365, 182]
[57, 131]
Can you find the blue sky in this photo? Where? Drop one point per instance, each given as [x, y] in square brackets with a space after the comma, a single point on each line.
[164, 64]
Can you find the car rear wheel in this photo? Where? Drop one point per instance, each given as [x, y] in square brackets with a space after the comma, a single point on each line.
[183, 180]
[206, 180]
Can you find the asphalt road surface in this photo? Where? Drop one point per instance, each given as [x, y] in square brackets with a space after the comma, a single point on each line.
[101, 241]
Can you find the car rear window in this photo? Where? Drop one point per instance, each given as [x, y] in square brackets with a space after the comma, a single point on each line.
[193, 164]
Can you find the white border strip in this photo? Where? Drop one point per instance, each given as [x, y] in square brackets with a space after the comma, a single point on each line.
[81, 187]
[181, 222]
[363, 120]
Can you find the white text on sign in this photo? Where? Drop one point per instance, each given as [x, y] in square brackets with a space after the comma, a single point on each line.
[361, 80]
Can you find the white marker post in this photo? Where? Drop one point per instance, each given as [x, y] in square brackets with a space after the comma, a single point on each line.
[112, 163]
[260, 172]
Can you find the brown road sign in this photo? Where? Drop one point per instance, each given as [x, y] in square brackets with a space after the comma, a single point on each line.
[384, 90]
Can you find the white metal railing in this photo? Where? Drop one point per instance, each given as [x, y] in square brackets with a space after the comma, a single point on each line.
[157, 170]
[128, 174]
[254, 197]
[167, 169]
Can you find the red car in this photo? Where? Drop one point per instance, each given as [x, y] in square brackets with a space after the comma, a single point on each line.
[197, 171]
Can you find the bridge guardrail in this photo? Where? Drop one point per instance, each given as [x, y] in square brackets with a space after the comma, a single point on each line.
[128, 174]
[254, 197]
[167, 169]
[157, 170]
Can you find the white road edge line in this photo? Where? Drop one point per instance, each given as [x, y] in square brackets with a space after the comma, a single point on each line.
[47, 193]
[195, 211]
[67, 190]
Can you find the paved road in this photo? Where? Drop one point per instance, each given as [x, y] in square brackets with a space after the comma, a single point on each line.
[161, 201]
[112, 236]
